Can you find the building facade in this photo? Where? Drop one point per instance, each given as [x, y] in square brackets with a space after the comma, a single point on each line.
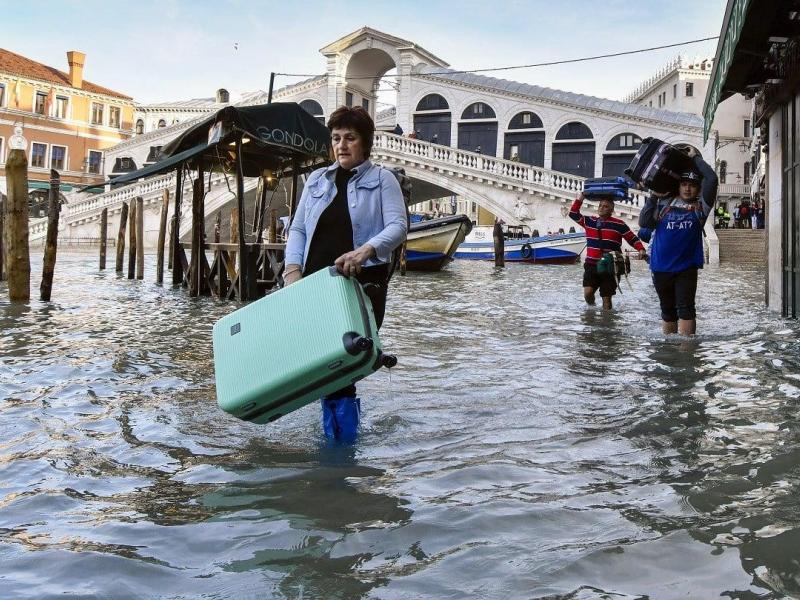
[759, 55]
[681, 85]
[68, 122]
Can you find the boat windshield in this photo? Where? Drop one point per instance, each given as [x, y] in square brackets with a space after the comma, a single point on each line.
[516, 232]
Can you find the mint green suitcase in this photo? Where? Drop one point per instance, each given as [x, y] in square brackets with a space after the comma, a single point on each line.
[295, 346]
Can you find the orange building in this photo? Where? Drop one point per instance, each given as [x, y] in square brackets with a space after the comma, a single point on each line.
[67, 121]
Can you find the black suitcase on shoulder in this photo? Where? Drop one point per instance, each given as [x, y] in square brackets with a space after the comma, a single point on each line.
[658, 166]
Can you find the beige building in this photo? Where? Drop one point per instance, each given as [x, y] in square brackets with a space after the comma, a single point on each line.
[68, 122]
[681, 86]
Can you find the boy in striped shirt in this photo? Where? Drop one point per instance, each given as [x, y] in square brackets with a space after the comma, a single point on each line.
[604, 233]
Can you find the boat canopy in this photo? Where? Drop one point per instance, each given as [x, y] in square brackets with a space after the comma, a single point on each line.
[275, 137]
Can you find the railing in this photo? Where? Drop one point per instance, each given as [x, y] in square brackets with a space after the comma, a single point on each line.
[734, 189]
[556, 182]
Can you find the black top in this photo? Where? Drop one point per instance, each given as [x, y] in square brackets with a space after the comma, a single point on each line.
[333, 235]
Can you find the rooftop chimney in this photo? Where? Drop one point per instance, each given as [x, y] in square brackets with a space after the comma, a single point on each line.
[76, 60]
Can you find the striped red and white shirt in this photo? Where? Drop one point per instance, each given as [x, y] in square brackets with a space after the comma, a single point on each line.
[603, 235]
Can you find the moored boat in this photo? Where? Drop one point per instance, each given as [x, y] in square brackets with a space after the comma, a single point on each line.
[546, 249]
[431, 243]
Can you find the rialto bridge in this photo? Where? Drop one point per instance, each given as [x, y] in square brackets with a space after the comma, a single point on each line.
[520, 151]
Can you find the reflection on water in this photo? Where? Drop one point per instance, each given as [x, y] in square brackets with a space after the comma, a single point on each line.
[525, 446]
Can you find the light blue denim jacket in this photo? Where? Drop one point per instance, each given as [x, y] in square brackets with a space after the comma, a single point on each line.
[376, 205]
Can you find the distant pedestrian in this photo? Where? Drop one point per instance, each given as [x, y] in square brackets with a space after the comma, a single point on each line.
[397, 129]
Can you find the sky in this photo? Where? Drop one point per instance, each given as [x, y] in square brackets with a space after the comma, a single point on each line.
[167, 50]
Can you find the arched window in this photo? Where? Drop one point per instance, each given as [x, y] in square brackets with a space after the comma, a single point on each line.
[573, 150]
[525, 120]
[478, 110]
[620, 151]
[313, 108]
[161, 123]
[434, 124]
[139, 127]
[723, 170]
[433, 102]
[574, 131]
[625, 141]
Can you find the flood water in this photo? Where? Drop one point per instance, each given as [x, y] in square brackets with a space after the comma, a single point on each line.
[524, 447]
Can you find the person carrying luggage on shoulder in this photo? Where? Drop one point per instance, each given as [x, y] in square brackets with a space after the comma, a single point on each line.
[604, 234]
[352, 215]
[677, 249]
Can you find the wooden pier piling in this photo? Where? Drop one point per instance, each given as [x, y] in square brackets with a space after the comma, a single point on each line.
[2, 236]
[176, 251]
[18, 261]
[198, 236]
[132, 240]
[273, 226]
[51, 245]
[139, 238]
[123, 222]
[162, 236]
[403, 261]
[103, 237]
[234, 235]
[499, 245]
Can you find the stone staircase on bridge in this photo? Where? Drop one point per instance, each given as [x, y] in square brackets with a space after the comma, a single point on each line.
[742, 246]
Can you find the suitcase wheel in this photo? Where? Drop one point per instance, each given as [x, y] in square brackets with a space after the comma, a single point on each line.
[355, 344]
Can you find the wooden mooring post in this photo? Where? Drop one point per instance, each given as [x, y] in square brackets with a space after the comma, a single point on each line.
[499, 245]
[176, 251]
[51, 246]
[132, 240]
[234, 235]
[403, 262]
[2, 236]
[103, 237]
[123, 222]
[18, 260]
[196, 266]
[162, 235]
[139, 238]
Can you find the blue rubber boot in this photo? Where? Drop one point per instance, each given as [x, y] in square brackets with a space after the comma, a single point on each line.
[340, 417]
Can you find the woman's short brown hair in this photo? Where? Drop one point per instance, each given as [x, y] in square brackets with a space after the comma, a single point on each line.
[357, 119]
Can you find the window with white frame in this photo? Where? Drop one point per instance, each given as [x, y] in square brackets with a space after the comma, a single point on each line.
[39, 103]
[38, 155]
[94, 162]
[674, 90]
[746, 172]
[58, 157]
[2, 147]
[689, 89]
[746, 129]
[61, 107]
[2, 94]
[97, 113]
[114, 116]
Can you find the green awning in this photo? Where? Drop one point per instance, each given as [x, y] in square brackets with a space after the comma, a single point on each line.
[726, 49]
[45, 185]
